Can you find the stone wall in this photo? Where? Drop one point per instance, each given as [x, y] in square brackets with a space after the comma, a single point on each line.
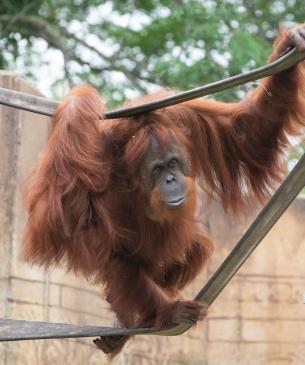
[258, 319]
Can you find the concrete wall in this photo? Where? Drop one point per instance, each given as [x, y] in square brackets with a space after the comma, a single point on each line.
[258, 319]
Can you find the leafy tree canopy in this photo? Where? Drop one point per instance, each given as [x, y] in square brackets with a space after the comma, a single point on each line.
[126, 48]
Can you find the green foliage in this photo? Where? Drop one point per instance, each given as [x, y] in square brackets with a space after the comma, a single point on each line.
[129, 47]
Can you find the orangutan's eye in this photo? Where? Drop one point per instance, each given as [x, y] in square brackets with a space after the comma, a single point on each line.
[156, 172]
[173, 162]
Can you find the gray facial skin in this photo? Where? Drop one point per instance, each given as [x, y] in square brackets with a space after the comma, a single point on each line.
[166, 168]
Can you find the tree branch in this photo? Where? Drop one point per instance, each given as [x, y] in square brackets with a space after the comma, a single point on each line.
[57, 38]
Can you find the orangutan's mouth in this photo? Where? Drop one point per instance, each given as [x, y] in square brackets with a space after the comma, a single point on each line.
[176, 202]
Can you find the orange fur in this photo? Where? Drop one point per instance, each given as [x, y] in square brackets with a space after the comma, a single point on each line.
[86, 201]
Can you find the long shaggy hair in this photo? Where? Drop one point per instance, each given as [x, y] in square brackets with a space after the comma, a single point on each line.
[86, 200]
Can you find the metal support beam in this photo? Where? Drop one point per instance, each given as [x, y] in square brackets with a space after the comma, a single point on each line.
[44, 106]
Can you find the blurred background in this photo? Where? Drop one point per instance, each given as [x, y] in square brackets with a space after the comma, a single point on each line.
[127, 49]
